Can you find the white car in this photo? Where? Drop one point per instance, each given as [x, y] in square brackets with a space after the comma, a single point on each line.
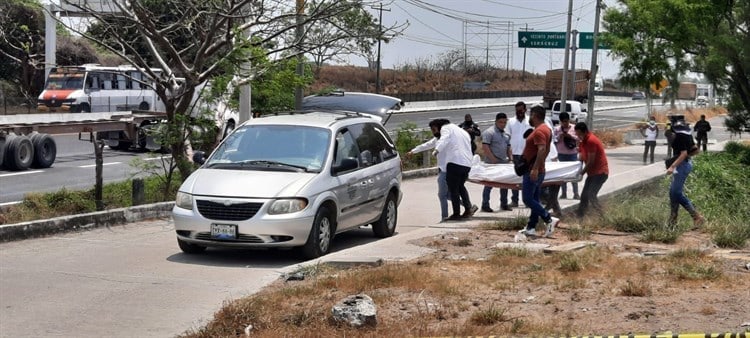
[292, 180]
[576, 110]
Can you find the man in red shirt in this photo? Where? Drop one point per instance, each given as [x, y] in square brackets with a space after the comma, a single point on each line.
[535, 152]
[595, 167]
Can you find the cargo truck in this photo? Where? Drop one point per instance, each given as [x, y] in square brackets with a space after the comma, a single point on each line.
[687, 91]
[553, 86]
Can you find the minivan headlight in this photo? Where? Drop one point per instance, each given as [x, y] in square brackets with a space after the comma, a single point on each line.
[184, 200]
[286, 206]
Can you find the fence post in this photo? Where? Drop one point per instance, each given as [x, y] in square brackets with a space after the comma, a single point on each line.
[139, 193]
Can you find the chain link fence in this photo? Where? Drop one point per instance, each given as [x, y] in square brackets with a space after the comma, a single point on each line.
[17, 105]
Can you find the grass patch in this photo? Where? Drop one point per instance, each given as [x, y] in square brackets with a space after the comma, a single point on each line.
[489, 316]
[505, 224]
[70, 202]
[637, 288]
[692, 264]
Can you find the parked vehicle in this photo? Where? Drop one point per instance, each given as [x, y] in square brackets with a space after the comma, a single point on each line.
[93, 88]
[639, 96]
[687, 91]
[292, 181]
[553, 86]
[701, 101]
[576, 110]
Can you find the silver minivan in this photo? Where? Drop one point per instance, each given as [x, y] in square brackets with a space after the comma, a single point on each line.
[292, 181]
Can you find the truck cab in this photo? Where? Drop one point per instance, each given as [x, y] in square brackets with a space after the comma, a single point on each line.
[576, 110]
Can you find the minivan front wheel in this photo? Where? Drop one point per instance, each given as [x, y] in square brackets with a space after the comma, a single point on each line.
[385, 226]
[190, 248]
[321, 234]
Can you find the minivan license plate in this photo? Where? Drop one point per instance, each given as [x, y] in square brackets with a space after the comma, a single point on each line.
[224, 231]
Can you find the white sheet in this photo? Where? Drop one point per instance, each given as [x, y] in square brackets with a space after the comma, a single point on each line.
[504, 173]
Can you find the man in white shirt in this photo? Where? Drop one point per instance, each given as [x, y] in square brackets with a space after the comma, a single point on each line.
[516, 127]
[650, 132]
[454, 144]
[443, 195]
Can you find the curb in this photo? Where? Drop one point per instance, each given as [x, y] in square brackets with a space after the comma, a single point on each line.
[39, 228]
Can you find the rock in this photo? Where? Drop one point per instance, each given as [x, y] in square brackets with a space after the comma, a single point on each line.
[248, 329]
[745, 324]
[747, 266]
[294, 276]
[528, 299]
[356, 311]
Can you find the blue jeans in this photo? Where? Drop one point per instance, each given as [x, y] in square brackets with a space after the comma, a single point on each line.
[532, 191]
[486, 197]
[443, 195]
[564, 186]
[676, 193]
[514, 193]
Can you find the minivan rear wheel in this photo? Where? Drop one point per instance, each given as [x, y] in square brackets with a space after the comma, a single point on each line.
[321, 235]
[385, 226]
[190, 248]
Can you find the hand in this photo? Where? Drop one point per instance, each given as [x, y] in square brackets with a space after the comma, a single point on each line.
[670, 171]
[534, 174]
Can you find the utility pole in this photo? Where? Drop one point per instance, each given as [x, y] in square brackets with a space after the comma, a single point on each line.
[573, 48]
[300, 57]
[510, 45]
[487, 49]
[380, 37]
[523, 72]
[564, 91]
[594, 66]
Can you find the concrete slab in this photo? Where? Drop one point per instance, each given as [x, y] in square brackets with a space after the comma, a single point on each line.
[569, 247]
[536, 247]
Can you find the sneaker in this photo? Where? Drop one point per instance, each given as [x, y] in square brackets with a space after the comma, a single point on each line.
[563, 196]
[454, 217]
[468, 213]
[487, 209]
[576, 197]
[513, 205]
[551, 226]
[506, 208]
[528, 232]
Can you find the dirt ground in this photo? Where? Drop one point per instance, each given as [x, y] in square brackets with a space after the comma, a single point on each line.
[468, 287]
[624, 285]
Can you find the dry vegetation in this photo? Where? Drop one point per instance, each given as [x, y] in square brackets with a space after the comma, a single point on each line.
[469, 287]
[414, 80]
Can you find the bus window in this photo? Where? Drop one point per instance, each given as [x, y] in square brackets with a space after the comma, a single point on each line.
[106, 80]
[122, 82]
[135, 77]
[65, 81]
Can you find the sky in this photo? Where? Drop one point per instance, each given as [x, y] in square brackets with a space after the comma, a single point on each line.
[487, 28]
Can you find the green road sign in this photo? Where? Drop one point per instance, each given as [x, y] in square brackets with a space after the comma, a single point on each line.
[532, 39]
[586, 41]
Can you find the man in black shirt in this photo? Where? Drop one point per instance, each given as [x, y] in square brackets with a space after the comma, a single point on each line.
[702, 128]
[473, 130]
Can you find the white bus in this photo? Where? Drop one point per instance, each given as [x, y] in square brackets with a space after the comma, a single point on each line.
[93, 88]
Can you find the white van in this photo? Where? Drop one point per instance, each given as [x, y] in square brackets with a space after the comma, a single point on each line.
[576, 110]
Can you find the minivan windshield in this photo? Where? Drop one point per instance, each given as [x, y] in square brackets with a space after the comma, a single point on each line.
[273, 147]
[65, 81]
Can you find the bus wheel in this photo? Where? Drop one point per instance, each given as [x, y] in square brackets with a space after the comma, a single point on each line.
[143, 106]
[45, 150]
[19, 153]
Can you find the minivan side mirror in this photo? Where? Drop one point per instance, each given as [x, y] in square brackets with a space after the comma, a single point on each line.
[199, 157]
[346, 165]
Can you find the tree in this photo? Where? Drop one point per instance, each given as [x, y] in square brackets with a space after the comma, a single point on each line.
[662, 38]
[355, 31]
[22, 45]
[192, 41]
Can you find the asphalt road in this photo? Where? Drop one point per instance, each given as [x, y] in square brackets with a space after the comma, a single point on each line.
[74, 167]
